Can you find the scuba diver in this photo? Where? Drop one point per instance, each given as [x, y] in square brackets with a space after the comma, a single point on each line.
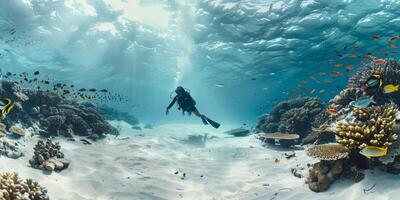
[187, 103]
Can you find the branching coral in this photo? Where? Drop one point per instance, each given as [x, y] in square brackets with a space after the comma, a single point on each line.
[13, 188]
[328, 151]
[373, 127]
[48, 156]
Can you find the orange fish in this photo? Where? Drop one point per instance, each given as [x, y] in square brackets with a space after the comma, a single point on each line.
[352, 75]
[327, 81]
[394, 38]
[368, 57]
[379, 61]
[277, 161]
[349, 67]
[350, 85]
[331, 111]
[352, 55]
[338, 65]
[336, 73]
[383, 51]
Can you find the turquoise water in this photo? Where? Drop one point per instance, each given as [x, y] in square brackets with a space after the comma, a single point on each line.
[260, 50]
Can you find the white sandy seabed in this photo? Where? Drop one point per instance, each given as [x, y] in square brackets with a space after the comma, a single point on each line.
[141, 164]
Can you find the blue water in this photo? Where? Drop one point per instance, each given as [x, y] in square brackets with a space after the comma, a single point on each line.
[144, 49]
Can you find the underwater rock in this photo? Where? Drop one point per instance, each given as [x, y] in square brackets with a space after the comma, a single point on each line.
[239, 132]
[148, 126]
[48, 156]
[17, 130]
[136, 127]
[13, 188]
[10, 148]
[323, 174]
[293, 116]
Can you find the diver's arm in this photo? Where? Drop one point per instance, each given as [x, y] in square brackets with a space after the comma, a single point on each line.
[171, 104]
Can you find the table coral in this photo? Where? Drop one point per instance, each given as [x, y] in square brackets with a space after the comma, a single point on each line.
[331, 151]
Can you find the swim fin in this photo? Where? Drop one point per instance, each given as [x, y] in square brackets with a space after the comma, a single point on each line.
[212, 123]
[204, 119]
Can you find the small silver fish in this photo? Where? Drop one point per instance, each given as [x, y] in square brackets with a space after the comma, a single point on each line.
[363, 102]
[220, 85]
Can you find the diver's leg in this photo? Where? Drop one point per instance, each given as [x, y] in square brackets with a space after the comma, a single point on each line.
[203, 118]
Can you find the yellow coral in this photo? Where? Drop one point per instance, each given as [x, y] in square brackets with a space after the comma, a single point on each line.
[13, 188]
[373, 127]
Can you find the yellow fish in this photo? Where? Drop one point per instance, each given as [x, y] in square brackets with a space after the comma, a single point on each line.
[390, 88]
[5, 106]
[374, 151]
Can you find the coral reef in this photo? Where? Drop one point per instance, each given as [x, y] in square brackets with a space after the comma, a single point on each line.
[390, 73]
[13, 188]
[110, 113]
[323, 174]
[345, 97]
[372, 127]
[56, 115]
[292, 116]
[331, 151]
[48, 156]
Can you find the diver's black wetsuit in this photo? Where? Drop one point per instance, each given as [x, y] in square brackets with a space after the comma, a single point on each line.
[188, 104]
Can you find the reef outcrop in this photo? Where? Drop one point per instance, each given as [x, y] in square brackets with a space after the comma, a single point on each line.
[48, 156]
[292, 116]
[110, 113]
[54, 115]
